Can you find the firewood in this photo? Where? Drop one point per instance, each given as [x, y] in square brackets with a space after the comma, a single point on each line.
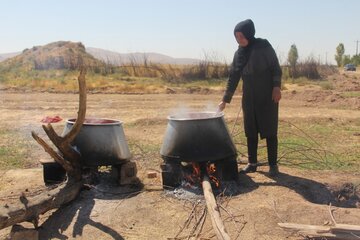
[338, 231]
[213, 210]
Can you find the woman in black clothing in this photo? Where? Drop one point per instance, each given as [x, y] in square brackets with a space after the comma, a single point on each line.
[256, 63]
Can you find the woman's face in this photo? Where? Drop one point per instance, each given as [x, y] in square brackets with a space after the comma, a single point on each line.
[240, 38]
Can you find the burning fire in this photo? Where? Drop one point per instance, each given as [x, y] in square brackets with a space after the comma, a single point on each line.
[196, 177]
[211, 170]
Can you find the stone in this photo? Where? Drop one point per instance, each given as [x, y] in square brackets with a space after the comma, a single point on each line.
[128, 173]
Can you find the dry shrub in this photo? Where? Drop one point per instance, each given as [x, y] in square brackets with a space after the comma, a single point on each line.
[327, 70]
[209, 68]
[175, 73]
[206, 70]
[309, 69]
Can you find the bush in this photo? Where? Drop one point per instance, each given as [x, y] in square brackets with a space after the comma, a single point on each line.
[205, 70]
[309, 69]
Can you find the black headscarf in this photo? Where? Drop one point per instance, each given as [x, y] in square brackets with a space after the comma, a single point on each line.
[241, 57]
[247, 28]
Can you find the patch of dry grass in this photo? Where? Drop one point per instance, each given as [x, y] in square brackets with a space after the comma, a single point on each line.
[66, 81]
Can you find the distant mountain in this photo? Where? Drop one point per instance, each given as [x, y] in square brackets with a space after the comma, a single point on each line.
[56, 55]
[4, 56]
[125, 58]
[67, 55]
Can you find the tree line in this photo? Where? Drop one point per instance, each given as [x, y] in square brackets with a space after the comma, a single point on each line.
[342, 59]
[311, 68]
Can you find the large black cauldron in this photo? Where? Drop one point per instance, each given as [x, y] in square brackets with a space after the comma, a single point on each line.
[197, 137]
[100, 141]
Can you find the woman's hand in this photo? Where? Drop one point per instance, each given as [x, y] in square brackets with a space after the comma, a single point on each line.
[221, 106]
[276, 94]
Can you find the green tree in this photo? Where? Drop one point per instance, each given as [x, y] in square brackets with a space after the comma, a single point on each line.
[356, 59]
[340, 50]
[346, 59]
[292, 59]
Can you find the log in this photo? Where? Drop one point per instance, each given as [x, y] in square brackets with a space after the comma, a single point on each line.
[213, 210]
[345, 227]
[29, 209]
[337, 231]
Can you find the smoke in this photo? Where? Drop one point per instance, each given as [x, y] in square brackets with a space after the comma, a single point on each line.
[211, 107]
[183, 111]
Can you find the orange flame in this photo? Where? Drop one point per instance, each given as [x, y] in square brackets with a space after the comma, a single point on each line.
[215, 180]
[196, 170]
[195, 177]
[211, 170]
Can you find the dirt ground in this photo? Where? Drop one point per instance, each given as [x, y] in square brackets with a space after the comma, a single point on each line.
[107, 211]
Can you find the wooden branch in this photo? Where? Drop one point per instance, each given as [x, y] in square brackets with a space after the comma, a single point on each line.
[59, 159]
[68, 152]
[188, 220]
[213, 210]
[346, 227]
[331, 214]
[64, 143]
[338, 231]
[30, 209]
[70, 136]
[202, 220]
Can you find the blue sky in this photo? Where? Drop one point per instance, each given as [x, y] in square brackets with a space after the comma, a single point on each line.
[186, 28]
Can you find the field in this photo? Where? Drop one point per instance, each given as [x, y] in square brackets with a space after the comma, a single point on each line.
[319, 153]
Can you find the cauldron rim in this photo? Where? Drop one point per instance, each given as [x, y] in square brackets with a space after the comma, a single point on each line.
[203, 116]
[96, 122]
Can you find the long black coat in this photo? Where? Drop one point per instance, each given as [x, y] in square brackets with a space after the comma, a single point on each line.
[260, 75]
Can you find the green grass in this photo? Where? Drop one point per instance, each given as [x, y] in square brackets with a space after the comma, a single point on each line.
[326, 85]
[303, 81]
[9, 158]
[350, 94]
[312, 144]
[12, 150]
